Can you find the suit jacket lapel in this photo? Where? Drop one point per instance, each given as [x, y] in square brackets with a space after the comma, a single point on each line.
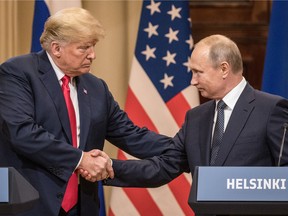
[207, 125]
[50, 81]
[237, 121]
[84, 110]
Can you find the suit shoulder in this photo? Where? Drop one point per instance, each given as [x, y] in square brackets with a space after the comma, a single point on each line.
[21, 66]
[198, 110]
[264, 97]
[21, 59]
[27, 62]
[202, 106]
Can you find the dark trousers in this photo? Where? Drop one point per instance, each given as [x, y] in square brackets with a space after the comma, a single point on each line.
[75, 211]
[72, 212]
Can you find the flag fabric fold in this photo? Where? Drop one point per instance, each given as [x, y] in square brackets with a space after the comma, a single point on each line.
[159, 94]
[41, 13]
[275, 76]
[42, 10]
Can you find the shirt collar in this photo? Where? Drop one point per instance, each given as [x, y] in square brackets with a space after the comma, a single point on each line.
[57, 70]
[232, 97]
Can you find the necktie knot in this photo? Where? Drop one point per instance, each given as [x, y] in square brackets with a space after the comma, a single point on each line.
[65, 80]
[221, 105]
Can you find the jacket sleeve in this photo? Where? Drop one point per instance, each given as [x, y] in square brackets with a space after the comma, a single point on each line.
[139, 142]
[151, 172]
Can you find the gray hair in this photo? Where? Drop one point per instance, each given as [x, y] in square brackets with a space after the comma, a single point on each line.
[224, 49]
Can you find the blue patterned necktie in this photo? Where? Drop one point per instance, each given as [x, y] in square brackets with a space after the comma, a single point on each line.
[218, 132]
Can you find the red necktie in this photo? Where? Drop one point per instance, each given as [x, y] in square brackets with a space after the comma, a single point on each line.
[71, 193]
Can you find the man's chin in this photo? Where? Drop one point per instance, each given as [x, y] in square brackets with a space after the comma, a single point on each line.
[203, 94]
[85, 70]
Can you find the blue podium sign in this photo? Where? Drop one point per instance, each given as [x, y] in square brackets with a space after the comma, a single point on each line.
[242, 184]
[4, 185]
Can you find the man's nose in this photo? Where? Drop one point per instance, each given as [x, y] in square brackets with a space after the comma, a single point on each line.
[194, 80]
[91, 53]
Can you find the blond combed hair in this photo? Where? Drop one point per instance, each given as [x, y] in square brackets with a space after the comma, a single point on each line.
[71, 25]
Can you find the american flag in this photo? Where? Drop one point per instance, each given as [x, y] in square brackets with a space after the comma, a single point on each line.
[159, 95]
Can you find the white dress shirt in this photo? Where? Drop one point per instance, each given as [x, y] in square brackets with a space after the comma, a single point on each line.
[230, 100]
[73, 96]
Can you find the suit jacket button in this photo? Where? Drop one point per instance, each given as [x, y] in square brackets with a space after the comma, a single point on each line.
[60, 195]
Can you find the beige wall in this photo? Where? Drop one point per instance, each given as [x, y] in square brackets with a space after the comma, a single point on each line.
[113, 54]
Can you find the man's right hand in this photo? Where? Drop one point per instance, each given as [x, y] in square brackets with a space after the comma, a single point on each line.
[95, 166]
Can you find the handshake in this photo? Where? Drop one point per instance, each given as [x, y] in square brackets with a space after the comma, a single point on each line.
[95, 166]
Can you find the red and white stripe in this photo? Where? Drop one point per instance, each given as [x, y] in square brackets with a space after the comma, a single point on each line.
[146, 108]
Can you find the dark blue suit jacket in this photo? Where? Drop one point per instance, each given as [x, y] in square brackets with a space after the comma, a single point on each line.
[35, 136]
[252, 138]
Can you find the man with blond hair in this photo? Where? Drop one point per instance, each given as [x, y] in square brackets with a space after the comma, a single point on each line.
[55, 116]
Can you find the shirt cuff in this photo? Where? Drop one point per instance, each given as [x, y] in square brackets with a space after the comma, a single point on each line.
[79, 161]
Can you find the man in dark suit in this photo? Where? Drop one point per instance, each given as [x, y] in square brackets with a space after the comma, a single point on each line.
[252, 127]
[36, 130]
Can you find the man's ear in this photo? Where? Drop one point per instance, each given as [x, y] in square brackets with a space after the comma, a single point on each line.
[225, 68]
[56, 49]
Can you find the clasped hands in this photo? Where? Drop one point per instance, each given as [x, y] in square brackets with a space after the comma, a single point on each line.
[95, 166]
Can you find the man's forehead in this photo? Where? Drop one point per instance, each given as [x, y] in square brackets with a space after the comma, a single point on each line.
[84, 42]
